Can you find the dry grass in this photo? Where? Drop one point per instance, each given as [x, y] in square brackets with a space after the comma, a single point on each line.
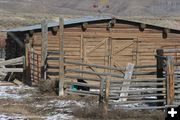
[93, 112]
[17, 109]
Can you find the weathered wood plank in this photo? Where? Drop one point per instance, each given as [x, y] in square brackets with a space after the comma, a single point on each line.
[128, 75]
[170, 80]
[61, 57]
[15, 61]
[44, 48]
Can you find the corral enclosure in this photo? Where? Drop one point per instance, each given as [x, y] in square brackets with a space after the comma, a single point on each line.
[93, 40]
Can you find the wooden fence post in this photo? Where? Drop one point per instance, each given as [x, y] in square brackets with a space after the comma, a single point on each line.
[27, 69]
[61, 57]
[44, 25]
[101, 94]
[170, 80]
[107, 90]
[160, 69]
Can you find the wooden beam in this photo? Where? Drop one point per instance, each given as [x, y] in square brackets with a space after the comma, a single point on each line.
[95, 65]
[55, 30]
[27, 70]
[165, 33]
[142, 27]
[11, 69]
[99, 74]
[15, 61]
[107, 92]
[82, 47]
[84, 26]
[61, 57]
[128, 75]
[44, 46]
[170, 80]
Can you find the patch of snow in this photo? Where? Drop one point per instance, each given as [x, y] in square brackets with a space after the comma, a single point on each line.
[130, 105]
[11, 117]
[14, 92]
[94, 90]
[64, 103]
[60, 117]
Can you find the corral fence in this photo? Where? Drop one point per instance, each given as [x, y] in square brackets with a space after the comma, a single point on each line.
[128, 86]
[173, 54]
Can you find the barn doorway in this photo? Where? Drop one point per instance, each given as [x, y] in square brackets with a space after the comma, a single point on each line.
[110, 51]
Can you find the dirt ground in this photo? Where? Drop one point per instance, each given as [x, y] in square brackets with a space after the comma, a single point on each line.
[27, 103]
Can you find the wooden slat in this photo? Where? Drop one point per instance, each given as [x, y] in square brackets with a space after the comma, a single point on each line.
[61, 57]
[128, 75]
[15, 61]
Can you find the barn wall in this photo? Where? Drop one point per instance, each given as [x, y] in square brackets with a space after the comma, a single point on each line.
[77, 43]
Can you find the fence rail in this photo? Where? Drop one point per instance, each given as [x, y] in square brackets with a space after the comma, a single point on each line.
[114, 87]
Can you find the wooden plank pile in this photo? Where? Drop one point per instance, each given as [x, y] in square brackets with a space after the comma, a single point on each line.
[11, 70]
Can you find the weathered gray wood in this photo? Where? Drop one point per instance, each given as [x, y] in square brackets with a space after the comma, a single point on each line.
[141, 90]
[145, 108]
[107, 92]
[136, 96]
[44, 25]
[78, 77]
[84, 84]
[101, 94]
[94, 73]
[139, 101]
[11, 69]
[128, 75]
[96, 66]
[138, 85]
[172, 50]
[15, 61]
[61, 57]
[139, 80]
[79, 92]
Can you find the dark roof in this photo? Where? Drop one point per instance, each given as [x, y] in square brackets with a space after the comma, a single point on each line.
[95, 19]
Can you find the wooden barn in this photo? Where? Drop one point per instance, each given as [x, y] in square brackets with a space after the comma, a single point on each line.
[93, 40]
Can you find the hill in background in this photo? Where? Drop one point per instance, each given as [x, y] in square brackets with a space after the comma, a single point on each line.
[115, 7]
[15, 13]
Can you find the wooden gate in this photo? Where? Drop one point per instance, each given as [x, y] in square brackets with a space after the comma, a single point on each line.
[34, 61]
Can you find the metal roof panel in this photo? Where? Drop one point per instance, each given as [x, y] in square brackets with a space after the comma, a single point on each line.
[53, 24]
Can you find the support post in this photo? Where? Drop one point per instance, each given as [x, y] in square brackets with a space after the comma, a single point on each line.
[107, 91]
[101, 94]
[170, 80]
[44, 46]
[27, 69]
[160, 69]
[61, 57]
[108, 46]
